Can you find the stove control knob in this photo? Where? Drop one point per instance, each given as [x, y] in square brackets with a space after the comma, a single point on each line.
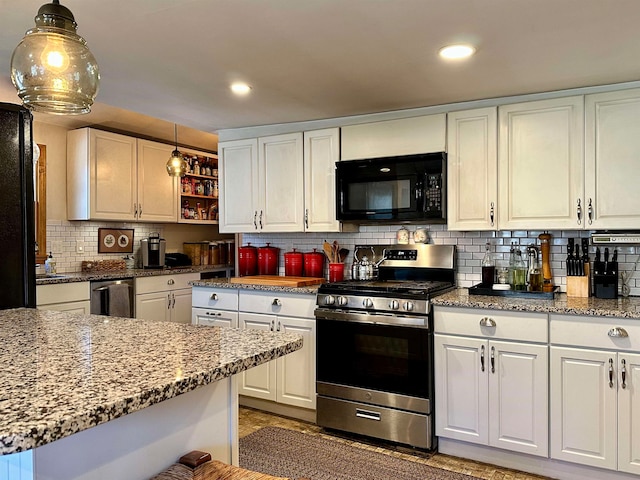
[394, 305]
[329, 300]
[342, 301]
[408, 306]
[368, 303]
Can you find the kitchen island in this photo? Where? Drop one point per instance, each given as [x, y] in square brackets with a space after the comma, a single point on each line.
[88, 397]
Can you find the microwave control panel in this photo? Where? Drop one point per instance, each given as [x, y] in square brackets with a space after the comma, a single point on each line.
[433, 193]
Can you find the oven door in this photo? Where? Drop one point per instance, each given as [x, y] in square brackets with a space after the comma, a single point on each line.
[375, 357]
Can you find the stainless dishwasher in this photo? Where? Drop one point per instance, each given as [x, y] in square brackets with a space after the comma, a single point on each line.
[113, 297]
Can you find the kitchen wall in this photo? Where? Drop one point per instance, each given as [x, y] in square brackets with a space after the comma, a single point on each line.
[470, 248]
[63, 234]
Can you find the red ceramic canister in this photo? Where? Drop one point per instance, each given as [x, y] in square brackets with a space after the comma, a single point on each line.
[268, 260]
[314, 264]
[293, 264]
[247, 260]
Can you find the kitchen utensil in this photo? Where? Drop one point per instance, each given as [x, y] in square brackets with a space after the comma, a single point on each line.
[569, 262]
[328, 251]
[545, 247]
[343, 252]
[293, 263]
[268, 260]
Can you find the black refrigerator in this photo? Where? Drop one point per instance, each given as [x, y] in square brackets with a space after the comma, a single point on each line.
[17, 230]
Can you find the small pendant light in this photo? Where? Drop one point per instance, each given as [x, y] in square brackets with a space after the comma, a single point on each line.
[176, 165]
[52, 68]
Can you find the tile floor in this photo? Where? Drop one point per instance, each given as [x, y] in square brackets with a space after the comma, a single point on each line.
[252, 420]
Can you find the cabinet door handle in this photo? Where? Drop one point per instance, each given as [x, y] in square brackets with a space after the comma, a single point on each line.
[492, 213]
[590, 212]
[617, 332]
[139, 210]
[306, 218]
[279, 325]
[276, 302]
[482, 358]
[168, 301]
[255, 219]
[214, 297]
[611, 373]
[623, 373]
[487, 322]
[493, 360]
[135, 210]
[260, 219]
[272, 325]
[579, 212]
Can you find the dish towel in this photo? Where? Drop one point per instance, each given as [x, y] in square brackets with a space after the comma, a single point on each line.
[119, 305]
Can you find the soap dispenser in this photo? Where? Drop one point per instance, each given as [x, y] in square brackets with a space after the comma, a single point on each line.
[50, 265]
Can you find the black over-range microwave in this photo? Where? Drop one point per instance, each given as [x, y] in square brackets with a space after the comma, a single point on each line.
[384, 190]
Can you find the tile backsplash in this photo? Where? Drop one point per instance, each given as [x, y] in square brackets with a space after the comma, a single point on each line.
[470, 248]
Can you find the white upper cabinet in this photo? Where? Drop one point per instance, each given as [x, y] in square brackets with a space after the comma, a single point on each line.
[405, 136]
[612, 160]
[540, 164]
[321, 152]
[280, 168]
[472, 169]
[238, 171]
[116, 177]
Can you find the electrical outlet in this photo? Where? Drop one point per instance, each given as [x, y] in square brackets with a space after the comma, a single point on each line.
[79, 246]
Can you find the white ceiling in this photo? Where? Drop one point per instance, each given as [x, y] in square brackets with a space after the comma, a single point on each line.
[173, 60]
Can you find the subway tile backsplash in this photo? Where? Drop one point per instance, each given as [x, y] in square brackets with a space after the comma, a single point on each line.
[62, 237]
[469, 248]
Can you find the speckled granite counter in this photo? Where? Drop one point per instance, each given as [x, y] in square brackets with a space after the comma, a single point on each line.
[225, 283]
[72, 277]
[63, 373]
[628, 307]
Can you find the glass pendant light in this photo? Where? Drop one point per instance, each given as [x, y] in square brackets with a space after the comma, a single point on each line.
[52, 68]
[176, 165]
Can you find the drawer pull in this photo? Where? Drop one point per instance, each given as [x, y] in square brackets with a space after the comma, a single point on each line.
[368, 414]
[276, 302]
[482, 358]
[487, 322]
[171, 281]
[611, 373]
[623, 371]
[214, 297]
[618, 332]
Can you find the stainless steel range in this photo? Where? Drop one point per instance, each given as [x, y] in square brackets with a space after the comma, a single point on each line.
[374, 346]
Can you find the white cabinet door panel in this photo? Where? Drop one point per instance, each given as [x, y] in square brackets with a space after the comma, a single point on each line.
[238, 170]
[157, 191]
[461, 388]
[629, 413]
[260, 381]
[583, 407]
[472, 170]
[612, 159]
[181, 305]
[296, 371]
[518, 391]
[321, 152]
[154, 306]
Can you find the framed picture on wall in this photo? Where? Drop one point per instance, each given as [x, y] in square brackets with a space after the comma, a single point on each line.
[112, 240]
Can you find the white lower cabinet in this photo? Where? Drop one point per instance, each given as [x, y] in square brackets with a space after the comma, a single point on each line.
[64, 297]
[165, 297]
[289, 380]
[215, 307]
[595, 403]
[492, 392]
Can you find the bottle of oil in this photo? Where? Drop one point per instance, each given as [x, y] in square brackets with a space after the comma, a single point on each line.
[534, 273]
[519, 272]
[488, 267]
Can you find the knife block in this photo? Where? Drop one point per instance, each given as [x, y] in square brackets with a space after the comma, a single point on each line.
[606, 285]
[579, 286]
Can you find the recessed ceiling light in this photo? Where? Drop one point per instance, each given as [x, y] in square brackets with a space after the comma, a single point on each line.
[240, 88]
[457, 51]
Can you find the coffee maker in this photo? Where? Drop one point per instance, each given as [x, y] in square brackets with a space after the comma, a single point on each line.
[153, 249]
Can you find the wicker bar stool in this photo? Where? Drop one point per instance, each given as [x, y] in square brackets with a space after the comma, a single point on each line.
[198, 465]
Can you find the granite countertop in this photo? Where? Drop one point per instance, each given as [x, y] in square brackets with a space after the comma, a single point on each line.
[72, 277]
[226, 283]
[623, 307]
[62, 373]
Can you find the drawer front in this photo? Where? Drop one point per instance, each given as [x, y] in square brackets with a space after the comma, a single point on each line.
[277, 303]
[214, 318]
[219, 298]
[595, 332]
[498, 324]
[163, 283]
[62, 293]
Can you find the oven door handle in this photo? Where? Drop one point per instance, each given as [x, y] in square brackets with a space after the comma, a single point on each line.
[393, 320]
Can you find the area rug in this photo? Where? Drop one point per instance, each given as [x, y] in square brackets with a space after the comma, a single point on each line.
[287, 453]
